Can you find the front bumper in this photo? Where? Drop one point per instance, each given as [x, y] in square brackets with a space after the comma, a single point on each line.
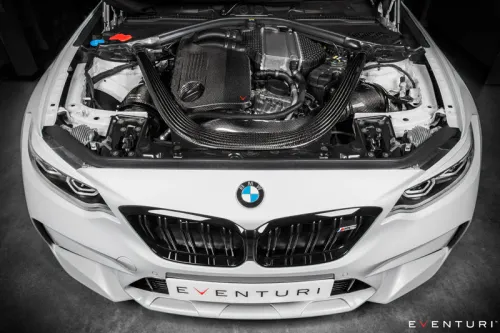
[398, 253]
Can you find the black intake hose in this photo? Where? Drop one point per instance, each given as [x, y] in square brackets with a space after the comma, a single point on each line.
[138, 97]
[283, 76]
[225, 44]
[266, 116]
[190, 131]
[395, 67]
[233, 35]
[112, 71]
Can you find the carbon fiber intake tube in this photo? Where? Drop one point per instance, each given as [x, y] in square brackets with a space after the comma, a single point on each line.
[191, 132]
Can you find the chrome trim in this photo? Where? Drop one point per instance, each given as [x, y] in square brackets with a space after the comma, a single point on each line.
[81, 190]
[173, 213]
[416, 193]
[341, 212]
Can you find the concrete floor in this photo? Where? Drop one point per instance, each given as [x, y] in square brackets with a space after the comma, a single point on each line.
[36, 295]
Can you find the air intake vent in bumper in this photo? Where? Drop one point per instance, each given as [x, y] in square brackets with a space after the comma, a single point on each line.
[151, 284]
[347, 286]
[311, 239]
[339, 286]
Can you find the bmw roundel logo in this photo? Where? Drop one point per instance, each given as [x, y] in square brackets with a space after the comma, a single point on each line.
[250, 194]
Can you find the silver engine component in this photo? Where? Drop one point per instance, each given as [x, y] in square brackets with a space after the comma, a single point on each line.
[82, 133]
[267, 102]
[418, 135]
[280, 49]
[272, 48]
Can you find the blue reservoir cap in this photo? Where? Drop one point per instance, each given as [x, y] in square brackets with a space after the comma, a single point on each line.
[96, 42]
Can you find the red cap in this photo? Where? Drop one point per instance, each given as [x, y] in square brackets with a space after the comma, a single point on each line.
[121, 37]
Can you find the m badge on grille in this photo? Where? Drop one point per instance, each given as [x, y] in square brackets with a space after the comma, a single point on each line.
[250, 194]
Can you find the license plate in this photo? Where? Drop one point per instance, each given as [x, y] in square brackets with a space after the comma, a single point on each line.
[249, 293]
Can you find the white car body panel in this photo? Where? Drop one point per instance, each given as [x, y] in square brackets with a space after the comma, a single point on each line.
[399, 252]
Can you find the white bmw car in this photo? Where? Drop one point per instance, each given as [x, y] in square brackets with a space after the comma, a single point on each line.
[257, 160]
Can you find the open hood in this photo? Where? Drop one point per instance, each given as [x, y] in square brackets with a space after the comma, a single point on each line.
[135, 6]
[345, 8]
[252, 91]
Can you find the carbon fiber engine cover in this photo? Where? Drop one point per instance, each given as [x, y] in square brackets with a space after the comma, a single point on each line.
[209, 78]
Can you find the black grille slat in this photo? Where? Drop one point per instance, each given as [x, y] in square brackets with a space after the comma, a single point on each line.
[292, 241]
[336, 225]
[202, 233]
[223, 235]
[297, 235]
[277, 232]
[360, 223]
[332, 234]
[148, 228]
[225, 241]
[341, 220]
[144, 226]
[231, 243]
[317, 236]
[189, 237]
[351, 232]
[290, 237]
[169, 234]
[185, 241]
[311, 239]
[336, 234]
[210, 242]
[163, 233]
[269, 242]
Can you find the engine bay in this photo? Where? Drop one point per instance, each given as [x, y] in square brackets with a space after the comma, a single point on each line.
[250, 91]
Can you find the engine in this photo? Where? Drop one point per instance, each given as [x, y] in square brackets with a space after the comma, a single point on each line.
[211, 74]
[254, 80]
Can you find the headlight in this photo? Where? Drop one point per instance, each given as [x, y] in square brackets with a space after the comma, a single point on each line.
[79, 193]
[427, 191]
